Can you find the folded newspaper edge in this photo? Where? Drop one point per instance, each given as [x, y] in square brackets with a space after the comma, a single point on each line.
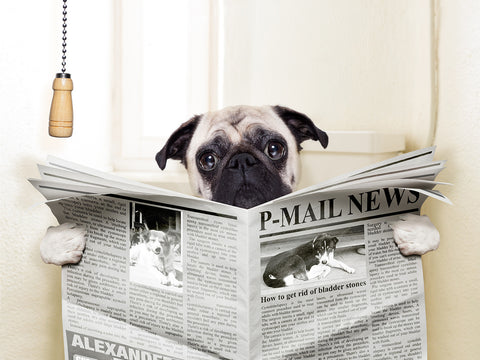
[63, 179]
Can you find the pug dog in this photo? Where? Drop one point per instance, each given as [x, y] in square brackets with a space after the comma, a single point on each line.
[241, 156]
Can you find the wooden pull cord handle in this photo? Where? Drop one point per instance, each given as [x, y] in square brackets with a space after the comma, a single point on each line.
[61, 111]
[60, 123]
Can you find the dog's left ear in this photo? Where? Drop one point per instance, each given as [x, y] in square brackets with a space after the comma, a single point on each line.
[301, 126]
[177, 144]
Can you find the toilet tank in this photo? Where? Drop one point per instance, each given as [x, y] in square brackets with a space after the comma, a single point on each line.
[347, 151]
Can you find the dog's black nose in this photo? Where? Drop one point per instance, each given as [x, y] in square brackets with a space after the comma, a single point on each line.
[324, 262]
[241, 161]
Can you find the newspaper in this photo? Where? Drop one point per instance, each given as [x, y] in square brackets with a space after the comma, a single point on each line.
[215, 287]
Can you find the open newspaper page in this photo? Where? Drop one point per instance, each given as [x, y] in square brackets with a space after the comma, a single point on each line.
[367, 302]
[330, 282]
[162, 276]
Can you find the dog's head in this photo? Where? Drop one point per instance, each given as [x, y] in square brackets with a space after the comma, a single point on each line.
[242, 155]
[157, 241]
[324, 247]
[161, 243]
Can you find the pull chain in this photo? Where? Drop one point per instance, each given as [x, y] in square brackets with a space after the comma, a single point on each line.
[61, 111]
[64, 38]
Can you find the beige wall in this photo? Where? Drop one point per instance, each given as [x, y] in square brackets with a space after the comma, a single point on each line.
[370, 70]
[452, 274]
[350, 65]
[30, 49]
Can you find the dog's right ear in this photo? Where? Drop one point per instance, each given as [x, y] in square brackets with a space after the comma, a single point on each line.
[177, 144]
[301, 126]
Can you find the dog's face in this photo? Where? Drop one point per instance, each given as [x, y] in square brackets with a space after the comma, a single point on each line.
[324, 247]
[157, 241]
[242, 155]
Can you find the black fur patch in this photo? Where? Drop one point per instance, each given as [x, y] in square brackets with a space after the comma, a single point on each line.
[177, 144]
[301, 126]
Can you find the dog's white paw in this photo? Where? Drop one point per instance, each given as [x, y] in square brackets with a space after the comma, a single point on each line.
[162, 278]
[176, 283]
[415, 235]
[318, 271]
[349, 270]
[63, 244]
[173, 280]
[325, 271]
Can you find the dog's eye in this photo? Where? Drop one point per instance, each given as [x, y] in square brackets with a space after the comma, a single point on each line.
[208, 161]
[275, 150]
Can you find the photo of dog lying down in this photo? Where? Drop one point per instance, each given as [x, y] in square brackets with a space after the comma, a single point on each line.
[242, 156]
[155, 255]
[314, 259]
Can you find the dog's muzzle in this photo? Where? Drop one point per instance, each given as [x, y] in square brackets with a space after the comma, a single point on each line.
[323, 259]
[247, 182]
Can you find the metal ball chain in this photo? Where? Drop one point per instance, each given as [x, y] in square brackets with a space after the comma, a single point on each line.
[64, 38]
